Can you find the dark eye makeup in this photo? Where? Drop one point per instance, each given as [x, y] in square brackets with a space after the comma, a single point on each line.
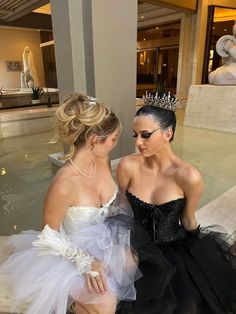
[145, 134]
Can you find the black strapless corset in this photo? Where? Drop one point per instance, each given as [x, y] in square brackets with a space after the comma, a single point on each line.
[162, 222]
[183, 272]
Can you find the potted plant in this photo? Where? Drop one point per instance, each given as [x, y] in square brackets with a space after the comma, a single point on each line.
[37, 92]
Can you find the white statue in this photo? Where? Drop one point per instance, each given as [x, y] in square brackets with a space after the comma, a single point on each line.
[226, 48]
[28, 75]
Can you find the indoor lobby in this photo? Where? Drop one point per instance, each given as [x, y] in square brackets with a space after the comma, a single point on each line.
[116, 51]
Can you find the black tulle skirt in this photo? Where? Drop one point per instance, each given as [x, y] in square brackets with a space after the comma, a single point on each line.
[193, 275]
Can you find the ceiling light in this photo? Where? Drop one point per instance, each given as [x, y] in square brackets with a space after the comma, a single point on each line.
[45, 9]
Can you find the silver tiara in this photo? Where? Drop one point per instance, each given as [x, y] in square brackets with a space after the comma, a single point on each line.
[166, 101]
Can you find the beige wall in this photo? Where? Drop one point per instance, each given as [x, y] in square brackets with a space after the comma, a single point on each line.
[13, 43]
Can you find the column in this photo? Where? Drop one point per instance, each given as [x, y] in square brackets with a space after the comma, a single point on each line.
[95, 47]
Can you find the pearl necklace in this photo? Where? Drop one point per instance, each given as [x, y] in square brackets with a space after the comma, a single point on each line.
[81, 172]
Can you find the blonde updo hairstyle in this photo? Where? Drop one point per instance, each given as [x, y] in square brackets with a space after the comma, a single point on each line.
[79, 117]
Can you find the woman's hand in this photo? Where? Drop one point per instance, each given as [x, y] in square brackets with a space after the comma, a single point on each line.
[98, 283]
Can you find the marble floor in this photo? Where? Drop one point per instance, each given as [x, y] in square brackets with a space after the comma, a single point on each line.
[220, 211]
[25, 172]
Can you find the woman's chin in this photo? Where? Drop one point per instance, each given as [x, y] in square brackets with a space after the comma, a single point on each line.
[145, 153]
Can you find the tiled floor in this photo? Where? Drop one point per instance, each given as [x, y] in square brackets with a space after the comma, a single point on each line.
[213, 152]
[25, 171]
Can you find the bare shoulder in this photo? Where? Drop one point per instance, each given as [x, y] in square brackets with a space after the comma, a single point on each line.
[59, 198]
[129, 162]
[62, 184]
[125, 170]
[188, 174]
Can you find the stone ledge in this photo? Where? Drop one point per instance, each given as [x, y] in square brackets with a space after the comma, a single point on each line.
[23, 114]
[211, 107]
[17, 97]
[26, 121]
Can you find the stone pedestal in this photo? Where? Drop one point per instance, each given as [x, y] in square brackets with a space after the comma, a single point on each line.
[211, 107]
[26, 121]
[22, 98]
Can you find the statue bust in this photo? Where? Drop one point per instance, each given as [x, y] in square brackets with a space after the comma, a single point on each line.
[226, 48]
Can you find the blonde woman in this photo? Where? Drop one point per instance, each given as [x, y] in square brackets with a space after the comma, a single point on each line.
[82, 256]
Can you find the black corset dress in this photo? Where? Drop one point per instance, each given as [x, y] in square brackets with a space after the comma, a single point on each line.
[183, 272]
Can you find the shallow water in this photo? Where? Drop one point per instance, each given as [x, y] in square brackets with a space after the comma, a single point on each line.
[25, 171]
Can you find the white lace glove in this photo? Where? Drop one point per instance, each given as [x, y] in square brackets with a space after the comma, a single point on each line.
[57, 243]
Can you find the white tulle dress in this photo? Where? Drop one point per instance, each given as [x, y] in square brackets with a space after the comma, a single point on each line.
[38, 281]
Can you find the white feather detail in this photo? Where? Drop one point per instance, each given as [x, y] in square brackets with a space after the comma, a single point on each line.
[56, 243]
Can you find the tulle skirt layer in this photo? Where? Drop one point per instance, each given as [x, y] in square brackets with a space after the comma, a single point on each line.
[49, 284]
[200, 275]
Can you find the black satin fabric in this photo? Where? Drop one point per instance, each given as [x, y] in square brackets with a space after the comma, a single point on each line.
[183, 272]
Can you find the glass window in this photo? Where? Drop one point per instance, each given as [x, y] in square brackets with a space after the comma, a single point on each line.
[155, 68]
[157, 58]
